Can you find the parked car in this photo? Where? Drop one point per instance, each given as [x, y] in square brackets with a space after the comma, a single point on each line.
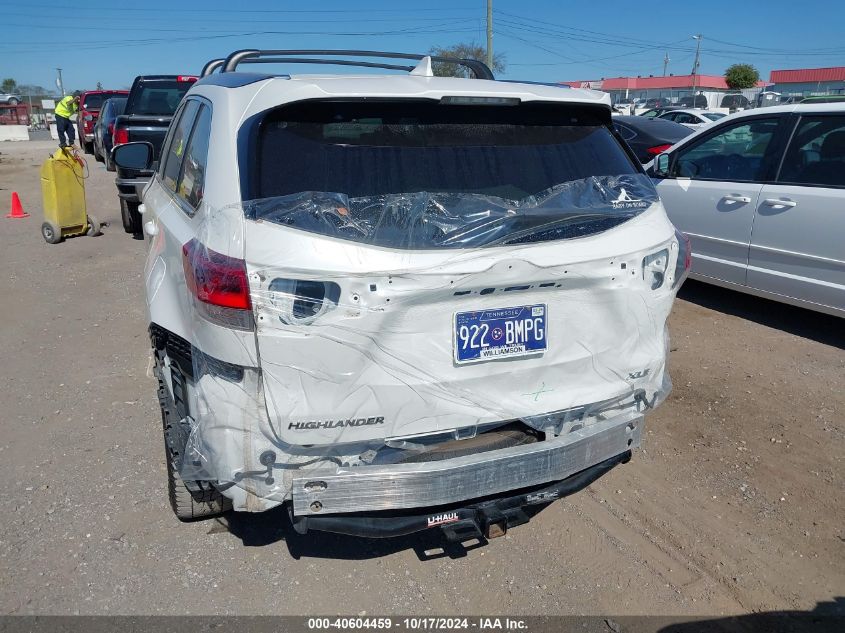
[393, 294]
[648, 137]
[824, 99]
[657, 102]
[700, 101]
[656, 112]
[780, 170]
[693, 119]
[104, 130]
[149, 109]
[90, 103]
[10, 98]
[735, 101]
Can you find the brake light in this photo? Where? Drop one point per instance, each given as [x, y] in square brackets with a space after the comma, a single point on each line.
[684, 261]
[658, 149]
[111, 128]
[214, 278]
[121, 135]
[186, 78]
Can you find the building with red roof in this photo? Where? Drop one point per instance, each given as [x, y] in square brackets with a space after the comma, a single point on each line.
[671, 86]
[808, 81]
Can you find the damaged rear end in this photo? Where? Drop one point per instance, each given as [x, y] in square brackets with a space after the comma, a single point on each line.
[451, 301]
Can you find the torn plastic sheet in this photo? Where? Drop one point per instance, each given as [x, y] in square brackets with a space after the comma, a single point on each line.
[425, 220]
[353, 359]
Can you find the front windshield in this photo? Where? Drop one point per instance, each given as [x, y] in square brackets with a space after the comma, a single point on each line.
[425, 175]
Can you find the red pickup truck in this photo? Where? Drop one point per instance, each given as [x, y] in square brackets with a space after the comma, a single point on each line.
[90, 103]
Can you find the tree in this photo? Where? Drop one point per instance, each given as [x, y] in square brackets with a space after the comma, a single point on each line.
[741, 76]
[463, 51]
[9, 85]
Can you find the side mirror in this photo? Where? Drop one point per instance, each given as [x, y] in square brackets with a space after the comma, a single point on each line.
[661, 165]
[137, 155]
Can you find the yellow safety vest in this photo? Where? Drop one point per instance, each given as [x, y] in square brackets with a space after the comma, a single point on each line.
[66, 107]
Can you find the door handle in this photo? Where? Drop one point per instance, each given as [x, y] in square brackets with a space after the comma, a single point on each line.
[151, 229]
[774, 202]
[734, 198]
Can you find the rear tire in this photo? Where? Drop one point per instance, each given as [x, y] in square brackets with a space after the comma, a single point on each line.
[202, 500]
[88, 148]
[130, 216]
[51, 232]
[189, 505]
[13, 101]
[109, 163]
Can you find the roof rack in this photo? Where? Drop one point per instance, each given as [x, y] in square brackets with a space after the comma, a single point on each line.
[254, 56]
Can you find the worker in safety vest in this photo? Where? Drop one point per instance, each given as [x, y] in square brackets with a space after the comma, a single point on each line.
[65, 109]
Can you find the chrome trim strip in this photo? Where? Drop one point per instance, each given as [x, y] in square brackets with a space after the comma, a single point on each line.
[429, 484]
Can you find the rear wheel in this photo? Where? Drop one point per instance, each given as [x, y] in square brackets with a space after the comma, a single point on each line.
[191, 500]
[51, 232]
[88, 147]
[13, 101]
[130, 216]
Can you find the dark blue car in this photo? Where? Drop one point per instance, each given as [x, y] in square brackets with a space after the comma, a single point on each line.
[104, 129]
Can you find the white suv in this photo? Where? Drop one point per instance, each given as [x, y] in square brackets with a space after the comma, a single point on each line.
[397, 302]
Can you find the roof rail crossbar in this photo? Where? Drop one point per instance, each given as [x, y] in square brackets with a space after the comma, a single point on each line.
[334, 62]
[478, 68]
[211, 66]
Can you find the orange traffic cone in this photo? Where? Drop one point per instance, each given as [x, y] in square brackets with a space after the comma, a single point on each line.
[17, 208]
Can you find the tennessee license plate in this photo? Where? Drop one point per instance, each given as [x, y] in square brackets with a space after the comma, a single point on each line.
[500, 333]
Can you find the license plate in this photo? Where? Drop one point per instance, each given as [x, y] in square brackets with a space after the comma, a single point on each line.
[500, 333]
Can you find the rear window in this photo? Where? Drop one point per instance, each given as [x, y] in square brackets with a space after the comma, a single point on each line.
[427, 175]
[96, 101]
[158, 97]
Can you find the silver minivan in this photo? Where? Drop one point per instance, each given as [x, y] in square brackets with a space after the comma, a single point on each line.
[761, 194]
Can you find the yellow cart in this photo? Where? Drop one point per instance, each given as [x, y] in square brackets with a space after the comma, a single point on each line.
[63, 190]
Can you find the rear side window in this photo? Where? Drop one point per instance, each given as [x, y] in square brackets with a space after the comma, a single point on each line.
[429, 175]
[178, 142]
[192, 179]
[95, 101]
[158, 97]
[816, 153]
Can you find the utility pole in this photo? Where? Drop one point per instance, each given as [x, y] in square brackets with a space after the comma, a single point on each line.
[666, 61]
[697, 38]
[490, 34]
[59, 82]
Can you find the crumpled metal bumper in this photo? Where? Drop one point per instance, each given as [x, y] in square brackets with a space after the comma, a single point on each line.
[431, 484]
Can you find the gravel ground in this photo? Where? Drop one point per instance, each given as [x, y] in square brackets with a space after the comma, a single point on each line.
[734, 505]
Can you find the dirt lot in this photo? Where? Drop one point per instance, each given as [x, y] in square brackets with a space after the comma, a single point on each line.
[734, 505]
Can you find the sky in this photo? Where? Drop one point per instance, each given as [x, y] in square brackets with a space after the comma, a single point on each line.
[544, 40]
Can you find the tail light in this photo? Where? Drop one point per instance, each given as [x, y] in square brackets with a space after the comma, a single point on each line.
[220, 285]
[121, 136]
[658, 149]
[111, 129]
[216, 278]
[186, 78]
[684, 261]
